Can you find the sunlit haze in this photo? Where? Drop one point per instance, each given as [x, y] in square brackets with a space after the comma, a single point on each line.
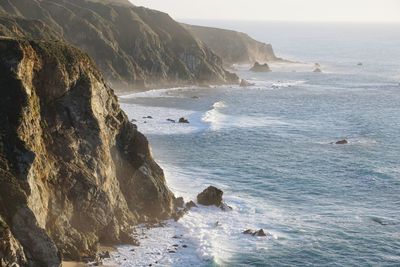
[284, 10]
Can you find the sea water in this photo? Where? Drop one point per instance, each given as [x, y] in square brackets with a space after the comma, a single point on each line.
[271, 149]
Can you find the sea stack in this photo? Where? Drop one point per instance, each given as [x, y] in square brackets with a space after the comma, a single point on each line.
[260, 67]
[317, 68]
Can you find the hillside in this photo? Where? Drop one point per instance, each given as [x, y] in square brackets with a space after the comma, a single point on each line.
[234, 47]
[134, 46]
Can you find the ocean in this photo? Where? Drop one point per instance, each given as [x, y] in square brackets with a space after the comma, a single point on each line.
[270, 149]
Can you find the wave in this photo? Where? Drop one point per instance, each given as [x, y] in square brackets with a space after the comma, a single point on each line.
[286, 84]
[197, 239]
[158, 124]
[217, 119]
[155, 93]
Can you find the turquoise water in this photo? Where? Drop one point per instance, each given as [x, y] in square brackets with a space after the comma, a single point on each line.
[269, 148]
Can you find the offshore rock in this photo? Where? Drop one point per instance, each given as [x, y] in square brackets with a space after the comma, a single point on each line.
[210, 196]
[183, 120]
[73, 170]
[255, 232]
[244, 83]
[260, 67]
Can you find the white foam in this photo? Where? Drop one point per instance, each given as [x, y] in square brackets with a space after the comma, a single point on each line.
[206, 242]
[217, 119]
[168, 92]
[286, 84]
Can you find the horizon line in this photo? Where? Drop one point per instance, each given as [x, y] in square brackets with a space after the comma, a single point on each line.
[292, 21]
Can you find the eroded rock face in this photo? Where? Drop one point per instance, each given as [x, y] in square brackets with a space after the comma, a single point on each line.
[11, 251]
[134, 47]
[232, 46]
[73, 170]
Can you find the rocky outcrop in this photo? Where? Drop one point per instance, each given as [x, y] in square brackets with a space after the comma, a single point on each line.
[244, 83]
[73, 170]
[135, 47]
[210, 196]
[183, 120]
[11, 251]
[234, 47]
[317, 68]
[260, 67]
[255, 232]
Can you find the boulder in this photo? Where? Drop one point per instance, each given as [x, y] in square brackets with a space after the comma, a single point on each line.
[179, 202]
[225, 207]
[255, 232]
[244, 83]
[260, 67]
[342, 142]
[104, 255]
[248, 232]
[260, 233]
[210, 196]
[183, 120]
[190, 205]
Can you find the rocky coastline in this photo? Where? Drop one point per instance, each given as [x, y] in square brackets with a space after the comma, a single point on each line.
[134, 47]
[74, 171]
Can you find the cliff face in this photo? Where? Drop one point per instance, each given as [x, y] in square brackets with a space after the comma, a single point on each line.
[232, 46]
[131, 45]
[73, 170]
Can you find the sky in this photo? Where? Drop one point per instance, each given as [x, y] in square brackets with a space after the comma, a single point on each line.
[281, 10]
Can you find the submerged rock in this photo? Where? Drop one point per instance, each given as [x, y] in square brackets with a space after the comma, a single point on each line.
[255, 232]
[171, 120]
[260, 68]
[183, 120]
[210, 196]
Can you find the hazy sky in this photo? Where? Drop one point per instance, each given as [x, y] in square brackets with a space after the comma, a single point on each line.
[289, 10]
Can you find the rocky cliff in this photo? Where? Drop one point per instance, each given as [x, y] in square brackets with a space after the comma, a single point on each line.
[132, 45]
[73, 170]
[232, 46]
